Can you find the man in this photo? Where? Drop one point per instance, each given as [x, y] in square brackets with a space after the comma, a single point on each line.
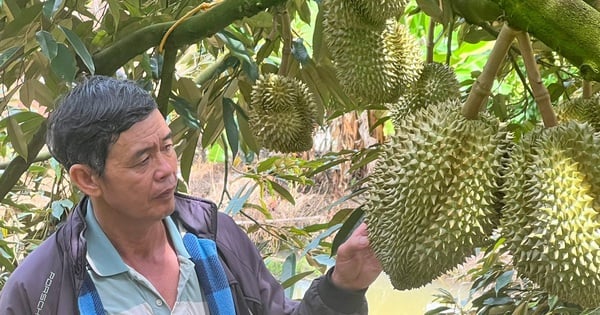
[135, 246]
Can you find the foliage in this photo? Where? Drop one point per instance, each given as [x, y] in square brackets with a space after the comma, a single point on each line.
[202, 75]
[497, 289]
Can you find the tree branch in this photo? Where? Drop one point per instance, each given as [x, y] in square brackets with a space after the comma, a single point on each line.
[166, 80]
[108, 60]
[19, 165]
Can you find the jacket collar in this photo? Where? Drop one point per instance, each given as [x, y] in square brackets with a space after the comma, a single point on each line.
[196, 215]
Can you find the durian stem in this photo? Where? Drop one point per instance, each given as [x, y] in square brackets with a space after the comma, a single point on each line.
[286, 38]
[430, 35]
[483, 85]
[587, 89]
[540, 93]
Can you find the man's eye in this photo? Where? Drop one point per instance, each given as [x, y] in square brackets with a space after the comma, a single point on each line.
[144, 161]
[168, 147]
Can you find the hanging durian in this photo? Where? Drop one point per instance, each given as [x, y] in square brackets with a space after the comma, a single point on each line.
[431, 197]
[376, 66]
[551, 219]
[437, 83]
[282, 114]
[378, 12]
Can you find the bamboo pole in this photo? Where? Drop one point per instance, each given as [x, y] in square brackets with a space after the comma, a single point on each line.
[540, 93]
[480, 90]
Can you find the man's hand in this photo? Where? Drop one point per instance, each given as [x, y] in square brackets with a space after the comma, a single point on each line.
[356, 266]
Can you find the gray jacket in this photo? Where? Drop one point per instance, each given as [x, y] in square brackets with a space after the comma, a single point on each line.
[49, 280]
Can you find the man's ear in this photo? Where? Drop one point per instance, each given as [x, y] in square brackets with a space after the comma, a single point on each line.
[86, 179]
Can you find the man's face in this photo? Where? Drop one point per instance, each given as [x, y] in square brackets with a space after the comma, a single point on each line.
[140, 175]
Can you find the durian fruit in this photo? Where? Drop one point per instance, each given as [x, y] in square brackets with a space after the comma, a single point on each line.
[581, 110]
[282, 114]
[551, 215]
[378, 12]
[376, 66]
[431, 197]
[437, 83]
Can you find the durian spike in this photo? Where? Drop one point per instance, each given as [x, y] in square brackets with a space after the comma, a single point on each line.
[540, 93]
[483, 85]
[587, 89]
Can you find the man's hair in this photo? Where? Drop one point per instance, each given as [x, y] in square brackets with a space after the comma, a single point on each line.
[90, 118]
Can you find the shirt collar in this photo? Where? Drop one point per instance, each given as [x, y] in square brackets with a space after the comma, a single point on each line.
[104, 258]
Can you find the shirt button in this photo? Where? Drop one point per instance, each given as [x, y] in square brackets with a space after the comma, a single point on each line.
[159, 302]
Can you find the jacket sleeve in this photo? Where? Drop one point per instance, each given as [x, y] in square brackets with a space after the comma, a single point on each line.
[260, 286]
[13, 298]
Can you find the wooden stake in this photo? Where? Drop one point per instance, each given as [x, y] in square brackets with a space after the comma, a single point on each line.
[480, 90]
[540, 93]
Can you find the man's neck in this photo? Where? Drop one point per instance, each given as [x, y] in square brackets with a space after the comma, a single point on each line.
[134, 239]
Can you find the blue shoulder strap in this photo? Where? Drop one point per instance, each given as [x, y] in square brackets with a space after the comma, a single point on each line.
[89, 300]
[211, 274]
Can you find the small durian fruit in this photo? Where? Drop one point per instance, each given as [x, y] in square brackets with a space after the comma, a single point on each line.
[551, 217]
[581, 110]
[437, 83]
[378, 12]
[282, 114]
[431, 197]
[375, 66]
[340, 21]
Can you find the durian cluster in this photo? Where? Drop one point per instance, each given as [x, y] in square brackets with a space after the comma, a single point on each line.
[432, 196]
[282, 114]
[375, 57]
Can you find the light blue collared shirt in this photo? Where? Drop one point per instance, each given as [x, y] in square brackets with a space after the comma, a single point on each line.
[123, 290]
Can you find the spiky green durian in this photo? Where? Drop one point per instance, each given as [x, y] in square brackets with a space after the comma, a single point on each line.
[376, 66]
[378, 12]
[431, 198]
[551, 215]
[437, 83]
[340, 16]
[282, 114]
[581, 110]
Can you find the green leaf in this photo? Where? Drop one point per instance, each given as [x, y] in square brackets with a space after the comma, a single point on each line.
[314, 243]
[236, 204]
[246, 132]
[503, 280]
[431, 8]
[22, 21]
[35, 90]
[346, 229]
[287, 283]
[238, 49]
[17, 137]
[50, 7]
[183, 109]
[47, 44]
[60, 206]
[115, 11]
[8, 54]
[231, 127]
[288, 271]
[266, 164]
[188, 154]
[64, 64]
[282, 192]
[80, 48]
